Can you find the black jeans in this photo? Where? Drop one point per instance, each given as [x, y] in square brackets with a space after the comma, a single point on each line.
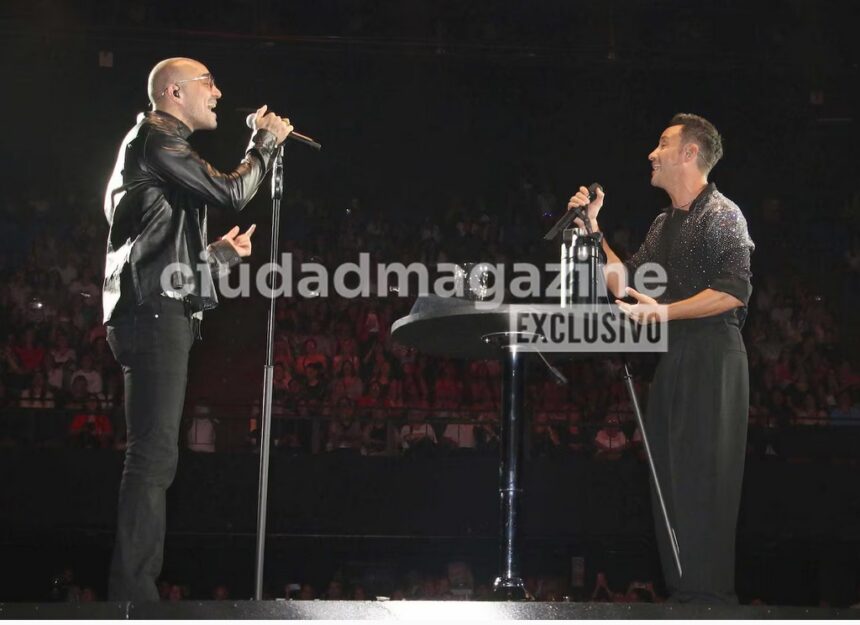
[152, 343]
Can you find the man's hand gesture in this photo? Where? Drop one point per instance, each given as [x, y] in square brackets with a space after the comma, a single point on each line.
[645, 310]
[240, 242]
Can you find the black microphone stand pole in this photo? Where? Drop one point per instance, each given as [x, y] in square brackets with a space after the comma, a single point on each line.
[591, 241]
[264, 427]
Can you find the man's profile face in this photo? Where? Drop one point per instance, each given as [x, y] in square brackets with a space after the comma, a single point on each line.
[198, 97]
[666, 159]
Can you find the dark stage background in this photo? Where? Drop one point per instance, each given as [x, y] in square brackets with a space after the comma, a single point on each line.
[419, 101]
[426, 110]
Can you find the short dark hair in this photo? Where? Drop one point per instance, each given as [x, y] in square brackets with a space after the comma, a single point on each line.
[700, 131]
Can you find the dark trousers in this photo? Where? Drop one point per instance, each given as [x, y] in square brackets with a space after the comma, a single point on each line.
[697, 427]
[152, 343]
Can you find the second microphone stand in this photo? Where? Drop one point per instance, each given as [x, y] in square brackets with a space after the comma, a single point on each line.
[586, 247]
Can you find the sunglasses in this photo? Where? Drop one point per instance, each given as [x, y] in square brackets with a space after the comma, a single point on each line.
[207, 77]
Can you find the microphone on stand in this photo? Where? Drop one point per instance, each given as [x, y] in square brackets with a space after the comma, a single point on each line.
[573, 213]
[592, 195]
[295, 136]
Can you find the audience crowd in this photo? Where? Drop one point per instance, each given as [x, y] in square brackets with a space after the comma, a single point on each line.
[342, 385]
[456, 582]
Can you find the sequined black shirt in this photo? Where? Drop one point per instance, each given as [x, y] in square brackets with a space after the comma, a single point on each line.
[707, 247]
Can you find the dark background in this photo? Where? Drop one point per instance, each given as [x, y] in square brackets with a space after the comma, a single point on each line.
[416, 102]
[422, 106]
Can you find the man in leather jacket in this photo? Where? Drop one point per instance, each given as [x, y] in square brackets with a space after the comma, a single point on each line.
[158, 280]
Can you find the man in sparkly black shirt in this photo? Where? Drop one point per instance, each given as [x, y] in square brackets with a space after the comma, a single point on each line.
[699, 398]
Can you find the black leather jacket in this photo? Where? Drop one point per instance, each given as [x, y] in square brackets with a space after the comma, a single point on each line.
[156, 206]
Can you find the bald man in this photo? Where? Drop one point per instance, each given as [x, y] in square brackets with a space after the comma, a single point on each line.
[159, 278]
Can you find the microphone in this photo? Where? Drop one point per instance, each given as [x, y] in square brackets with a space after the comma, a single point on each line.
[583, 210]
[295, 136]
[572, 214]
[592, 191]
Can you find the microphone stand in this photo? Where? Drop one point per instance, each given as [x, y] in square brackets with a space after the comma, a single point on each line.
[572, 241]
[264, 427]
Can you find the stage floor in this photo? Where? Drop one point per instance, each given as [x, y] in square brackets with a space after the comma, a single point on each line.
[406, 610]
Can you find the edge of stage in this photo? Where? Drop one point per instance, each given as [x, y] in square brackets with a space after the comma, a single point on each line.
[407, 610]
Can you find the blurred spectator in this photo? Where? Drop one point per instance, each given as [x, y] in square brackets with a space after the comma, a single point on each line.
[602, 592]
[295, 392]
[309, 356]
[325, 343]
[347, 382]
[845, 412]
[281, 377]
[292, 432]
[88, 595]
[334, 590]
[573, 435]
[201, 432]
[448, 390]
[221, 593]
[417, 436]
[62, 584]
[100, 351]
[640, 592]
[459, 435]
[18, 290]
[283, 351]
[415, 392]
[90, 428]
[345, 432]
[779, 414]
[545, 438]
[37, 395]
[461, 582]
[89, 373]
[11, 365]
[307, 593]
[370, 326]
[61, 351]
[610, 441]
[28, 352]
[78, 394]
[375, 434]
[372, 398]
[384, 376]
[478, 389]
[86, 286]
[56, 375]
[487, 430]
[394, 401]
[347, 351]
[315, 387]
[175, 593]
[809, 413]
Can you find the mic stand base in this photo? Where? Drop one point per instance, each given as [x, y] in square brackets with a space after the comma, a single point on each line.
[510, 589]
